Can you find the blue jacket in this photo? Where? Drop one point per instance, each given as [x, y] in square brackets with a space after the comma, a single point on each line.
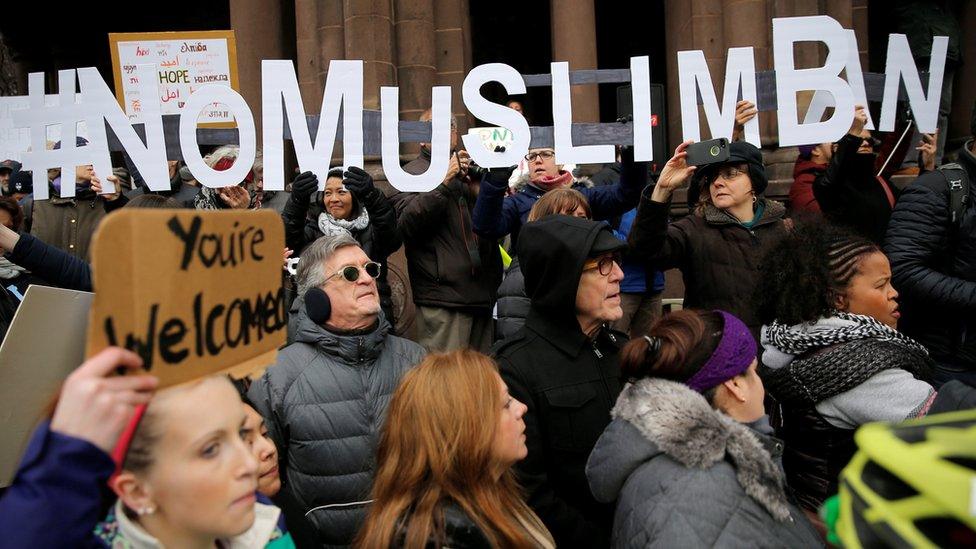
[496, 215]
[56, 497]
[51, 263]
[635, 274]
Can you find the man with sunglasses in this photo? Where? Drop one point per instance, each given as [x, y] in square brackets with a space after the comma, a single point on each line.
[850, 192]
[563, 364]
[497, 215]
[325, 399]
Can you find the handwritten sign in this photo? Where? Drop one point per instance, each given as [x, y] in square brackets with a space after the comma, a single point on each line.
[193, 293]
[185, 61]
[492, 137]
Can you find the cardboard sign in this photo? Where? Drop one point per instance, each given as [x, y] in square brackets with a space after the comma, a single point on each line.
[45, 343]
[193, 293]
[185, 61]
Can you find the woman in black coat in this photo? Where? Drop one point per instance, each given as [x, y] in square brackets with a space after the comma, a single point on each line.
[350, 204]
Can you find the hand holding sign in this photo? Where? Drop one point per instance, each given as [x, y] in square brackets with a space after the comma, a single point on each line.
[358, 182]
[96, 186]
[744, 112]
[927, 150]
[95, 406]
[860, 120]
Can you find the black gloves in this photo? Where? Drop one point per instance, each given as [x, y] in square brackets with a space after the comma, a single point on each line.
[500, 175]
[358, 182]
[303, 186]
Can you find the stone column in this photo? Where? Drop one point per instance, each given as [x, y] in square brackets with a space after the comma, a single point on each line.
[369, 36]
[257, 39]
[416, 60]
[307, 46]
[451, 46]
[573, 25]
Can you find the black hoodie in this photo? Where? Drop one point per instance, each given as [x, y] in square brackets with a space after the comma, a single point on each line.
[569, 381]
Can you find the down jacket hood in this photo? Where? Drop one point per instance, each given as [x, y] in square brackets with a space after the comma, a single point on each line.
[665, 417]
[552, 252]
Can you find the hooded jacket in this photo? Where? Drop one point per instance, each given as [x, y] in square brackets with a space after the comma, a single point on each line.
[568, 381]
[933, 266]
[685, 475]
[324, 402]
[718, 256]
[805, 172]
[850, 195]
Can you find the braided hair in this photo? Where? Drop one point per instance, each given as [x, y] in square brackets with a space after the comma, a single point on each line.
[804, 274]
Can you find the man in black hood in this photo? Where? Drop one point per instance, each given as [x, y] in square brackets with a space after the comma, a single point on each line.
[563, 365]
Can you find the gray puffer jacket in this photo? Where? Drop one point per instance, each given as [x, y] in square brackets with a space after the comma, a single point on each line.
[324, 402]
[685, 475]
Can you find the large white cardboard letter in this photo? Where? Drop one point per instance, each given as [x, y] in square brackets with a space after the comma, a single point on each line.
[202, 98]
[343, 88]
[101, 106]
[440, 141]
[900, 66]
[693, 75]
[790, 80]
[496, 114]
[562, 124]
[640, 88]
[821, 99]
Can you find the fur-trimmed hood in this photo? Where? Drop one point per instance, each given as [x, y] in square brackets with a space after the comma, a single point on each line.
[660, 419]
[523, 181]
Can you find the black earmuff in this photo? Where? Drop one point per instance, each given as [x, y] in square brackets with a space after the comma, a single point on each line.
[318, 306]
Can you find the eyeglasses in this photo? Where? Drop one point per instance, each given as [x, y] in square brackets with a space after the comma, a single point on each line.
[545, 155]
[351, 272]
[728, 173]
[604, 263]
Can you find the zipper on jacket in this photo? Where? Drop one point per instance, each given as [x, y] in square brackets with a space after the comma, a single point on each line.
[361, 350]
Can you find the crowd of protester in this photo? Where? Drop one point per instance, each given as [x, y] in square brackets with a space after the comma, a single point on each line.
[542, 402]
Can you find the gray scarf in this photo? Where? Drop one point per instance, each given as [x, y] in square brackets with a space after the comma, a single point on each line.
[331, 226]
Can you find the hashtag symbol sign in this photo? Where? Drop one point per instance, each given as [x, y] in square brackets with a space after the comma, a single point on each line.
[37, 117]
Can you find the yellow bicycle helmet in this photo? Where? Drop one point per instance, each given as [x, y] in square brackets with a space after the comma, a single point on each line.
[911, 484]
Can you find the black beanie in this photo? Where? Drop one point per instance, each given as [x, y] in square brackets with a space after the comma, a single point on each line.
[740, 152]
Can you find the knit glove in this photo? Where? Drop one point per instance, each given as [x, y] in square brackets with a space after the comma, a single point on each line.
[303, 186]
[358, 182]
[500, 176]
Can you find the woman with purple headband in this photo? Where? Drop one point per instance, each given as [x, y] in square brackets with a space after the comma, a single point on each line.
[690, 457]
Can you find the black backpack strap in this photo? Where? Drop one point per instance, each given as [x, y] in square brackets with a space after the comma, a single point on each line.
[958, 183]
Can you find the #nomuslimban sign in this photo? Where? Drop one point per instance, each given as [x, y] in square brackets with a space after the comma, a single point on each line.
[314, 136]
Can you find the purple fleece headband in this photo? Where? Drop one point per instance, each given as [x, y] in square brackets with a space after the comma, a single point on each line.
[734, 354]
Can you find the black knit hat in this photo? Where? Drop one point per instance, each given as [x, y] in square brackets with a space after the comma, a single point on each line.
[740, 152]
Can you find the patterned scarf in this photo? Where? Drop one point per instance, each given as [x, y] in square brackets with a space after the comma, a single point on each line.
[331, 226]
[795, 342]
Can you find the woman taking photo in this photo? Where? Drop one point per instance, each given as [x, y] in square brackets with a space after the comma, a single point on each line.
[719, 245]
[833, 357]
[444, 473]
[350, 204]
[689, 456]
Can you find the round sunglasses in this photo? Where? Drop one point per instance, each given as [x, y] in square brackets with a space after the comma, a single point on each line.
[351, 272]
